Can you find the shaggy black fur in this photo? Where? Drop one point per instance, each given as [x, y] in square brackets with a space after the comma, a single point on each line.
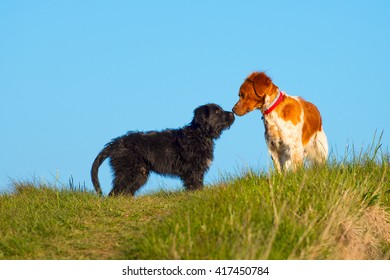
[186, 152]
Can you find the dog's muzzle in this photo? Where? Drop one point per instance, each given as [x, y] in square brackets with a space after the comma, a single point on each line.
[230, 119]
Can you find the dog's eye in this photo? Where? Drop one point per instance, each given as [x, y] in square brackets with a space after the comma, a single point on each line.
[217, 111]
[241, 95]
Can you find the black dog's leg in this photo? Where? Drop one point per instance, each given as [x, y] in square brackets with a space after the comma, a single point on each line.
[193, 181]
[128, 182]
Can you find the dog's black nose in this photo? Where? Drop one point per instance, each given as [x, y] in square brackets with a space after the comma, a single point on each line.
[231, 116]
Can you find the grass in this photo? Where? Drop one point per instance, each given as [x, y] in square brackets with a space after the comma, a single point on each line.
[336, 211]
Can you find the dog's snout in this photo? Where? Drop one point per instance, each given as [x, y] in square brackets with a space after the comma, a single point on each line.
[239, 110]
[234, 109]
[230, 117]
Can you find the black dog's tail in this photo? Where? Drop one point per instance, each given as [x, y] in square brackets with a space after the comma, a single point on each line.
[105, 153]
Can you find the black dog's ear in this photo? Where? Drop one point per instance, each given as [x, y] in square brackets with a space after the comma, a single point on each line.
[200, 115]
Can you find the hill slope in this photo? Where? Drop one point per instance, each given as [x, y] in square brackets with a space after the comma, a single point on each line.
[338, 211]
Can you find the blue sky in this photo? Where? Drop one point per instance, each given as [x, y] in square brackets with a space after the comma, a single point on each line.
[75, 74]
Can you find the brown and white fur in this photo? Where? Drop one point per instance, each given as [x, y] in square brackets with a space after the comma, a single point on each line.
[293, 126]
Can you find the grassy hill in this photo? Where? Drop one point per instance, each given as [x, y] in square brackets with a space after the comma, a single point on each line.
[337, 211]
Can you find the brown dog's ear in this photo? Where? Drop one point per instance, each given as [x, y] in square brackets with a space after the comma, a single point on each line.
[261, 83]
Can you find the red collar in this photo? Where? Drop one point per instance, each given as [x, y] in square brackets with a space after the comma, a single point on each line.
[274, 103]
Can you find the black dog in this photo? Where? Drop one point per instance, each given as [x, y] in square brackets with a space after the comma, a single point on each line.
[186, 152]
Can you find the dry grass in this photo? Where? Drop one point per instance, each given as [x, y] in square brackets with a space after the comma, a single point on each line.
[360, 237]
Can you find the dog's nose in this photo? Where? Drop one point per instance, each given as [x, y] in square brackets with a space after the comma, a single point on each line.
[234, 109]
[231, 115]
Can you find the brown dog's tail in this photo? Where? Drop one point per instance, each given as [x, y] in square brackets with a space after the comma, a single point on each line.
[105, 153]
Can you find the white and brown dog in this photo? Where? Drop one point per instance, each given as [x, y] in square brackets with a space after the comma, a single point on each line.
[293, 126]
